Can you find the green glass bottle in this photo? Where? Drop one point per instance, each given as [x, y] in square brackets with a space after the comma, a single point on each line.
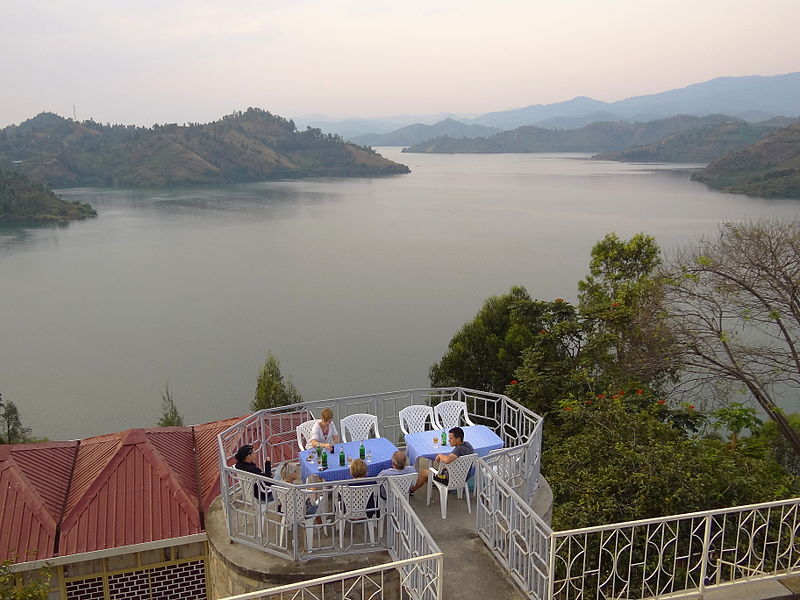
[444, 438]
[362, 452]
[324, 460]
[342, 457]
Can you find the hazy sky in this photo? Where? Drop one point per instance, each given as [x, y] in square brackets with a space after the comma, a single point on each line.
[176, 61]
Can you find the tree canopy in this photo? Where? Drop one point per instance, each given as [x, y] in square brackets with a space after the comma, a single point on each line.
[272, 388]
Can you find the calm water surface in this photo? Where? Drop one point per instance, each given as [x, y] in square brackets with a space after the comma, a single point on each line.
[356, 284]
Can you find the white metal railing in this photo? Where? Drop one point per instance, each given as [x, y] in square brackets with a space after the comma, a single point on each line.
[382, 582]
[677, 556]
[517, 537]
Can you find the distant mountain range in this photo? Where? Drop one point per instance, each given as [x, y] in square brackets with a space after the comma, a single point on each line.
[698, 145]
[596, 137]
[769, 168]
[245, 146]
[413, 134]
[752, 98]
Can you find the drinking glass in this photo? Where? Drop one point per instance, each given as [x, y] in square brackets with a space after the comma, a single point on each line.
[436, 441]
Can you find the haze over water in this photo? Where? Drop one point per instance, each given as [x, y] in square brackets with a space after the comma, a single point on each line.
[356, 284]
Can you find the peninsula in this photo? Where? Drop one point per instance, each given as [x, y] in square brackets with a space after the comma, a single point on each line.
[23, 200]
[241, 147]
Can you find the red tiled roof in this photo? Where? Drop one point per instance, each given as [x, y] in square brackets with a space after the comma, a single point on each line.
[205, 437]
[34, 479]
[140, 485]
[133, 493]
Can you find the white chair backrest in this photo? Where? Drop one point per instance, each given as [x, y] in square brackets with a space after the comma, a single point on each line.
[404, 482]
[292, 503]
[304, 433]
[458, 471]
[414, 418]
[355, 498]
[253, 489]
[449, 414]
[357, 427]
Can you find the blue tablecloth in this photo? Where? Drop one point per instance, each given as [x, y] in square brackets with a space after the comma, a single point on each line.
[381, 448]
[420, 444]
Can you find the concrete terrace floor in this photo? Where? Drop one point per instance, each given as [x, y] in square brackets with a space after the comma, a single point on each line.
[470, 570]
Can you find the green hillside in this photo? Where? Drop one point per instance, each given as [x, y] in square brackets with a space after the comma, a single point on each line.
[595, 137]
[699, 145]
[769, 168]
[249, 146]
[23, 200]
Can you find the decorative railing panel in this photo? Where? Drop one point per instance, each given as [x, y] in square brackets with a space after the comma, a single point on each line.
[680, 555]
[517, 537]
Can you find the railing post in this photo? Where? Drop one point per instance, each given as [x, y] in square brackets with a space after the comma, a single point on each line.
[439, 576]
[551, 565]
[704, 560]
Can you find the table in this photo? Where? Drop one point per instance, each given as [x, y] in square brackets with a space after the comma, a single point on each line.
[420, 445]
[381, 448]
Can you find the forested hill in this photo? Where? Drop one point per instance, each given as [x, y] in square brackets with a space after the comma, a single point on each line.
[769, 168]
[24, 200]
[245, 146]
[699, 145]
[596, 137]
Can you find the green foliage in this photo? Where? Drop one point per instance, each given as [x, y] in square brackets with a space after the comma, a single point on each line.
[736, 417]
[11, 428]
[486, 352]
[170, 417]
[613, 461]
[272, 388]
[12, 588]
[767, 440]
[24, 200]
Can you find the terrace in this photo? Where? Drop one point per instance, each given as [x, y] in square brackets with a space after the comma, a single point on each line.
[503, 541]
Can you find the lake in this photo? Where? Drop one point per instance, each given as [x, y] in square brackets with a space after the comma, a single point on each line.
[356, 284]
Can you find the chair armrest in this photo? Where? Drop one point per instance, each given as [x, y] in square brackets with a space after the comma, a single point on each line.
[432, 472]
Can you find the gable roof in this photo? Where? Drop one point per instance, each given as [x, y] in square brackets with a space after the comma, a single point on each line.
[34, 479]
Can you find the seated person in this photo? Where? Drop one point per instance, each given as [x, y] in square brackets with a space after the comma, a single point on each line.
[324, 433]
[358, 470]
[246, 461]
[455, 438]
[399, 466]
[290, 473]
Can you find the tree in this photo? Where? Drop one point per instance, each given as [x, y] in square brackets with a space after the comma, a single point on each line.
[734, 301]
[485, 352]
[272, 388]
[36, 588]
[170, 417]
[616, 461]
[14, 432]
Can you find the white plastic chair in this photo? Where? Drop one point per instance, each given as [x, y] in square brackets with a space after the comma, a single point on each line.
[457, 471]
[353, 500]
[247, 492]
[304, 433]
[357, 427]
[404, 482]
[414, 418]
[448, 414]
[293, 510]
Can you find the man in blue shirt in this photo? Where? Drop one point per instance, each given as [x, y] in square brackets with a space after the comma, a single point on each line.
[455, 438]
[399, 466]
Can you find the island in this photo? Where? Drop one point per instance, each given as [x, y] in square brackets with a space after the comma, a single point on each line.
[241, 147]
[23, 200]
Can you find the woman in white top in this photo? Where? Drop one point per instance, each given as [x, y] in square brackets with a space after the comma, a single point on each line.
[324, 432]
